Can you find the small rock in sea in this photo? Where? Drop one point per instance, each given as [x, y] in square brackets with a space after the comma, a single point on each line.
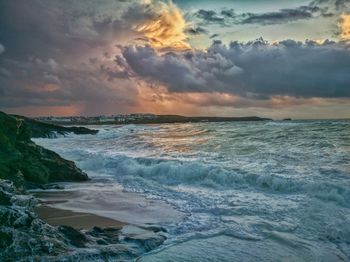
[145, 239]
[155, 229]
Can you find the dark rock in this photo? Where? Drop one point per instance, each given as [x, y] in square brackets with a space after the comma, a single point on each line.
[101, 242]
[96, 230]
[147, 240]
[5, 198]
[22, 161]
[52, 186]
[74, 236]
[46, 130]
[5, 240]
[155, 229]
[24, 237]
[107, 235]
[22, 234]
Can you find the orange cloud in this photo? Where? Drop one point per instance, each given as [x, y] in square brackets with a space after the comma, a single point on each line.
[344, 26]
[166, 29]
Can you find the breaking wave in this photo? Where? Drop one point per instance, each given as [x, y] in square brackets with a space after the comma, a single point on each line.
[282, 184]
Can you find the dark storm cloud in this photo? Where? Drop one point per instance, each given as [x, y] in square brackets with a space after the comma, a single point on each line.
[229, 13]
[46, 83]
[209, 16]
[337, 4]
[57, 51]
[229, 16]
[53, 28]
[196, 31]
[255, 69]
[281, 16]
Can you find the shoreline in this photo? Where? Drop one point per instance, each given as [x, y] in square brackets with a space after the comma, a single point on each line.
[83, 223]
[109, 201]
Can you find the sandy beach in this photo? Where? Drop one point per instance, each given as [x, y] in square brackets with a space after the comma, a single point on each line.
[77, 220]
[93, 203]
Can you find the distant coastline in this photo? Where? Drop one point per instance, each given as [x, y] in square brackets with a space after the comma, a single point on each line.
[142, 119]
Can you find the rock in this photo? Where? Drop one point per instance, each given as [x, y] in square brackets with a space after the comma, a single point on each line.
[5, 199]
[5, 240]
[107, 235]
[74, 236]
[21, 160]
[155, 229]
[146, 239]
[22, 234]
[101, 242]
[5, 194]
[46, 130]
[24, 237]
[52, 186]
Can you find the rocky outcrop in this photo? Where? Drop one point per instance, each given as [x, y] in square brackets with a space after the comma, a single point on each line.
[22, 234]
[24, 162]
[46, 130]
[25, 237]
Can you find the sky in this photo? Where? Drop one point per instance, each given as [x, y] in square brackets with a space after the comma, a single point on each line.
[270, 58]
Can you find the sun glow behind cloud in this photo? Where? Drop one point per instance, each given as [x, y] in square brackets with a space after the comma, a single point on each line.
[344, 26]
[166, 29]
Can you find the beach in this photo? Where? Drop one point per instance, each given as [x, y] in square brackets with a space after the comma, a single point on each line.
[77, 220]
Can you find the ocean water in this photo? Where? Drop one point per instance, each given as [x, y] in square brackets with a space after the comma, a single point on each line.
[247, 191]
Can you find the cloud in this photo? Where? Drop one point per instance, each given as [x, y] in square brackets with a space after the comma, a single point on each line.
[256, 69]
[72, 29]
[214, 36]
[281, 16]
[63, 29]
[209, 16]
[165, 29]
[344, 26]
[122, 56]
[338, 5]
[2, 48]
[47, 83]
[229, 16]
[229, 13]
[62, 53]
[196, 30]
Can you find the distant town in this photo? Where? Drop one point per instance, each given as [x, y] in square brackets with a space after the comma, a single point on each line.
[121, 119]
[139, 119]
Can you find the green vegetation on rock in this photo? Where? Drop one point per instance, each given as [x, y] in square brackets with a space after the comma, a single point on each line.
[22, 161]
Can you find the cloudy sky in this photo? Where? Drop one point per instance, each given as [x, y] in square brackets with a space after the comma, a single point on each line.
[273, 58]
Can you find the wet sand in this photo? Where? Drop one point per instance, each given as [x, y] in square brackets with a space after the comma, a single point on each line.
[77, 220]
[102, 204]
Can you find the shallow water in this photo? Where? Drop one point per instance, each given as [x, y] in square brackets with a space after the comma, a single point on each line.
[267, 191]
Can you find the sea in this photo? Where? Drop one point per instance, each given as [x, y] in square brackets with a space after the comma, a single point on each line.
[228, 191]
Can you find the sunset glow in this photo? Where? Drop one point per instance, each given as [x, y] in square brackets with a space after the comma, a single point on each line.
[166, 29]
[345, 26]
